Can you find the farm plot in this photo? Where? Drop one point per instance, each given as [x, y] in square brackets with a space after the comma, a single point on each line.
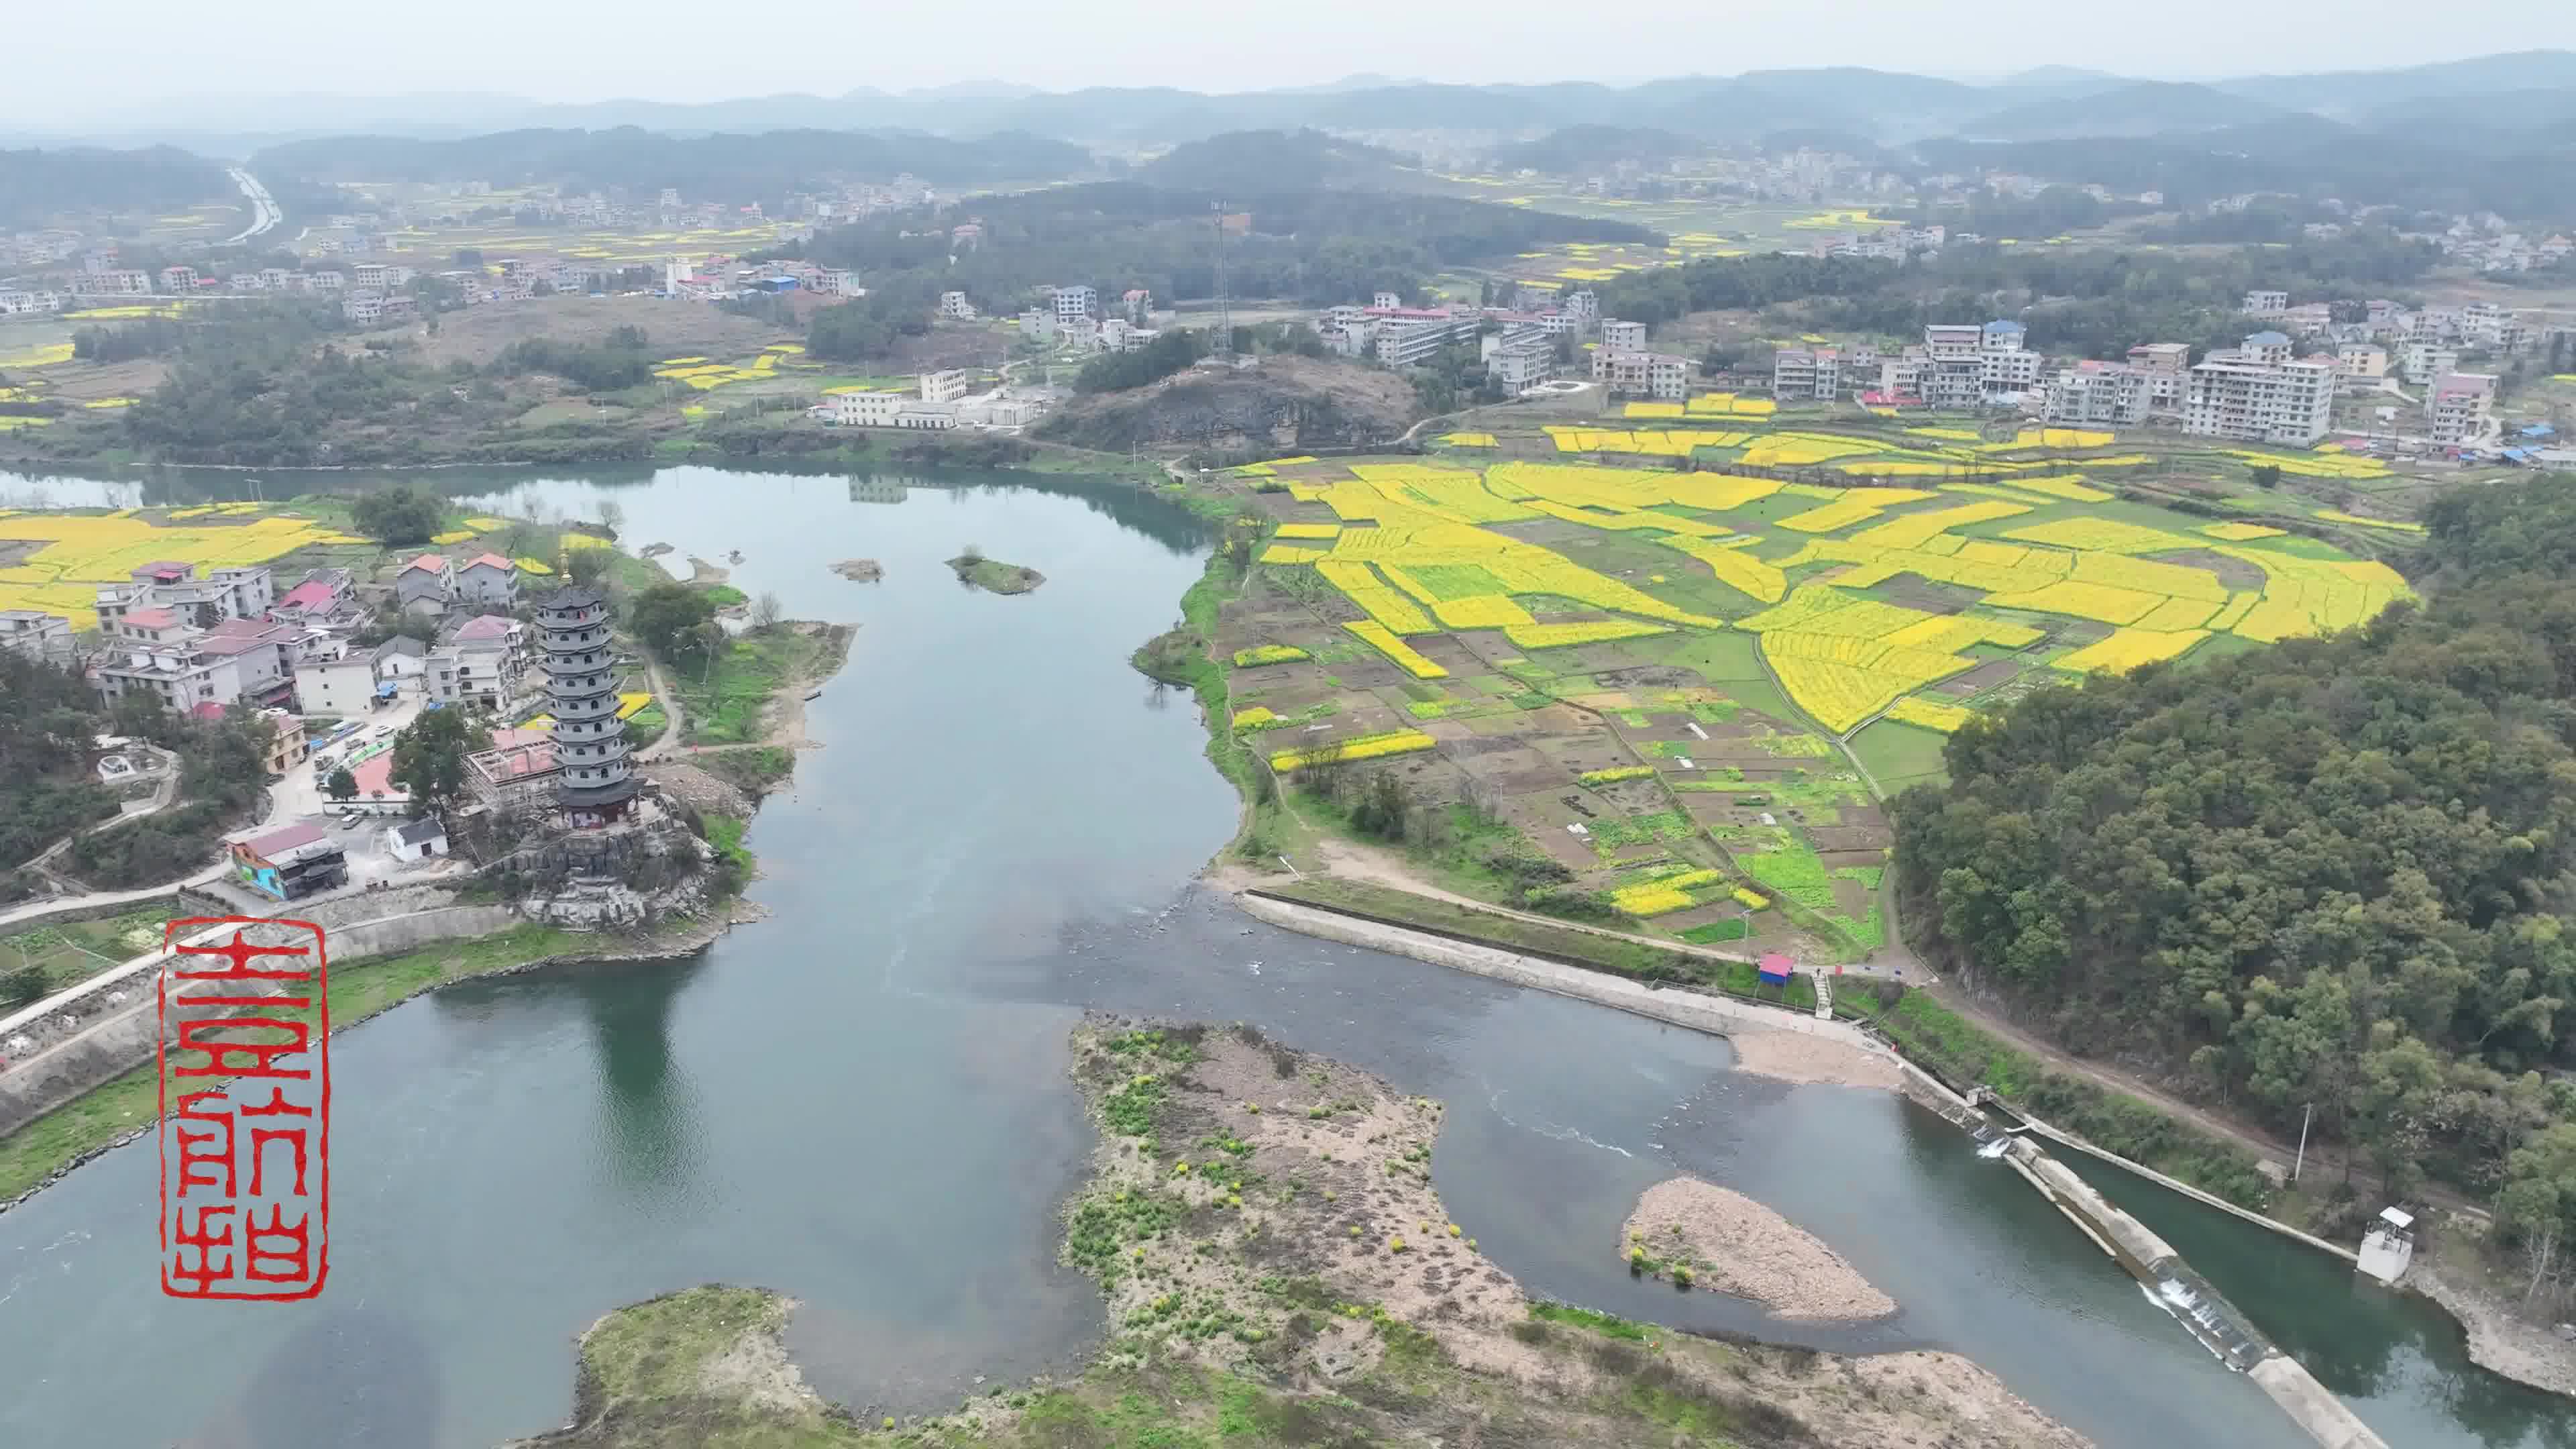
[54, 562]
[1647, 673]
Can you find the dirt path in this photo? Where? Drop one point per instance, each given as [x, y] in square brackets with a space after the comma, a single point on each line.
[2322, 1158]
[671, 710]
[1381, 867]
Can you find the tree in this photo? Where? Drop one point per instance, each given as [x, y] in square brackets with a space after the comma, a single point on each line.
[765, 612]
[585, 566]
[667, 617]
[613, 514]
[971, 554]
[2538, 1202]
[429, 757]
[342, 785]
[403, 514]
[22, 986]
[2267, 475]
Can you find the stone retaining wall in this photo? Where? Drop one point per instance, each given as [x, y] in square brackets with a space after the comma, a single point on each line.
[108, 1037]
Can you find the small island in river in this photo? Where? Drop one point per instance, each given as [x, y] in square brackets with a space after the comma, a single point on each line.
[992, 575]
[1279, 1270]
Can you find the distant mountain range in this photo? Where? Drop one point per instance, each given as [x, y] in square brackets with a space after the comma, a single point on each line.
[1882, 106]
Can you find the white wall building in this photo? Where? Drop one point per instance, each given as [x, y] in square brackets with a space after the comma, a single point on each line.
[2459, 408]
[2098, 394]
[1800, 373]
[2256, 395]
[1072, 303]
[1618, 336]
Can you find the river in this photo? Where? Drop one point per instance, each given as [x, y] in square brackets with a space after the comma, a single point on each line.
[862, 1100]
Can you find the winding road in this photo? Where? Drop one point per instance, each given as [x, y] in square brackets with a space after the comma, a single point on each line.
[264, 210]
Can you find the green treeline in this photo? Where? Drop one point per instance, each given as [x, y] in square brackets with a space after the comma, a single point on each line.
[634, 162]
[2331, 873]
[49, 717]
[1316, 246]
[37, 186]
[2091, 302]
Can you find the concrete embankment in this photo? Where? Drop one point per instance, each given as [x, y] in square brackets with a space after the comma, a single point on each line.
[116, 1022]
[2194, 1303]
[1718, 1015]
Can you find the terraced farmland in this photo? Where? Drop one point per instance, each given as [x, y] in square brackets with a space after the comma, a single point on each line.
[1676, 685]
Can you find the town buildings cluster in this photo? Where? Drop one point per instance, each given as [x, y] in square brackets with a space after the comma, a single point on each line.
[2278, 386]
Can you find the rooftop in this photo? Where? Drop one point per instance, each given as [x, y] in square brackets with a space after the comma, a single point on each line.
[434, 562]
[287, 839]
[310, 594]
[153, 619]
[484, 626]
[489, 560]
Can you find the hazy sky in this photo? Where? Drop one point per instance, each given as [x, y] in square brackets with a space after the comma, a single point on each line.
[58, 74]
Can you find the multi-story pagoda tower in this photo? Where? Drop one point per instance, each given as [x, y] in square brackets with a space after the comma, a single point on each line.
[593, 785]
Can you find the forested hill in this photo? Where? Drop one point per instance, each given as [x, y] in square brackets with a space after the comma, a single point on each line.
[1318, 246]
[722, 167]
[2332, 871]
[37, 185]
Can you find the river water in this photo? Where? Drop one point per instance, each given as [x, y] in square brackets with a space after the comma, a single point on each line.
[862, 1101]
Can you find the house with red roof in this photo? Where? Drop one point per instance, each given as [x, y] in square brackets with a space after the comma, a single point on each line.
[322, 594]
[426, 583]
[487, 579]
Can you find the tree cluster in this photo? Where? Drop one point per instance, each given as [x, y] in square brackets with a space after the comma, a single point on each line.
[2332, 874]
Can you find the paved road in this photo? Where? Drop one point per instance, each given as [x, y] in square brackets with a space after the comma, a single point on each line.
[264, 209]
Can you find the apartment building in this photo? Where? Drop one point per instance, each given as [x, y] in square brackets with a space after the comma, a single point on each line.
[1656, 375]
[2424, 363]
[112, 284]
[157, 656]
[1520, 356]
[488, 580]
[1804, 373]
[1074, 303]
[19, 299]
[479, 672]
[234, 593]
[2007, 370]
[2488, 326]
[1408, 335]
[178, 280]
[948, 386]
[1584, 307]
[2167, 366]
[2361, 361]
[2257, 394]
[2459, 408]
[263, 655]
[1618, 336]
[2098, 394]
[36, 634]
[2266, 304]
[955, 307]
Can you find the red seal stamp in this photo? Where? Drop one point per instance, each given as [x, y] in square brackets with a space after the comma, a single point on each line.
[245, 1072]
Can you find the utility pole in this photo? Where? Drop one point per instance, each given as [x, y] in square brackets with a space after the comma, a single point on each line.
[2303, 1141]
[1224, 302]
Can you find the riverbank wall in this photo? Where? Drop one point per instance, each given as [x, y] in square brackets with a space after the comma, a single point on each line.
[2194, 1303]
[1717, 1015]
[117, 1022]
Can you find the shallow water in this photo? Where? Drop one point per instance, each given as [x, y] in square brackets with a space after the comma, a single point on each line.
[862, 1101]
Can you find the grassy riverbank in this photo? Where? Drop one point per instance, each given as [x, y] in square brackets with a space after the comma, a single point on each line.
[1280, 1272]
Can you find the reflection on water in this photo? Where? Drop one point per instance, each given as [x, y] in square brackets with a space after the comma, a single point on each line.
[346, 1378]
[862, 1101]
